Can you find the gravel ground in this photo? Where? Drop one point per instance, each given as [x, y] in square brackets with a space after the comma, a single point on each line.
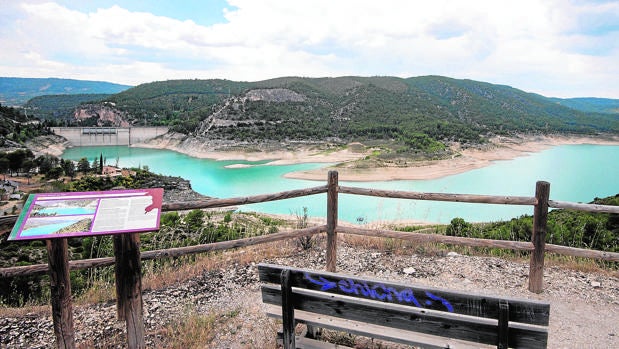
[584, 305]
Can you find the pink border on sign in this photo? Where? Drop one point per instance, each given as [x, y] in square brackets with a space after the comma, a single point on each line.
[61, 215]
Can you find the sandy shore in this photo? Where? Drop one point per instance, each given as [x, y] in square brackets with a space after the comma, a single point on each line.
[499, 148]
[342, 159]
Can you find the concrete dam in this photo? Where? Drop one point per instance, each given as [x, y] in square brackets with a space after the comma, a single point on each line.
[98, 136]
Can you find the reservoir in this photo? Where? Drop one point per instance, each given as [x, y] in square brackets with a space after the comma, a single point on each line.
[576, 173]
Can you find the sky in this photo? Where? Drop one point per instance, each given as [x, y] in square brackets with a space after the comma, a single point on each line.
[557, 48]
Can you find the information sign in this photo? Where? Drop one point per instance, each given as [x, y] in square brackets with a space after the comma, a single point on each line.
[59, 215]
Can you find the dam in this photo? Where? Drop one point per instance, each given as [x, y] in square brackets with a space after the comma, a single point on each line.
[101, 136]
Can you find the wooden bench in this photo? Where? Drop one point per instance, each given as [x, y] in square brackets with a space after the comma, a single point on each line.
[397, 312]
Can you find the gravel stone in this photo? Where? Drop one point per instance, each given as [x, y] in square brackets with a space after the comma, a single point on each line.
[584, 305]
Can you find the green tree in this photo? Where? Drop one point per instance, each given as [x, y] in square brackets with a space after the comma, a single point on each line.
[95, 166]
[68, 167]
[194, 219]
[54, 173]
[83, 165]
[170, 219]
[459, 227]
[4, 165]
[46, 163]
[17, 158]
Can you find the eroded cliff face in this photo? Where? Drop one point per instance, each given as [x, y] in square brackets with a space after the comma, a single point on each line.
[49, 144]
[235, 112]
[278, 95]
[104, 114]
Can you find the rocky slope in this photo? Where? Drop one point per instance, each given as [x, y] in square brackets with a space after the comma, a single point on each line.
[104, 114]
[584, 305]
[50, 144]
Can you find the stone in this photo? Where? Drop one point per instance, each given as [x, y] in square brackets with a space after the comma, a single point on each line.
[409, 271]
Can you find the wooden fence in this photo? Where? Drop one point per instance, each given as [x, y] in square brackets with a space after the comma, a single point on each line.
[540, 202]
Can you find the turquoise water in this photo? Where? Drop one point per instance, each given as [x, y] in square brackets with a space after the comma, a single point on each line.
[576, 173]
[45, 229]
[66, 211]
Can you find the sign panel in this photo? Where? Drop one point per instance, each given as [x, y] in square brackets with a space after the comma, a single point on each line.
[59, 215]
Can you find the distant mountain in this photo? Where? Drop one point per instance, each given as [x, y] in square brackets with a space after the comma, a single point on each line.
[420, 113]
[59, 107]
[590, 104]
[16, 91]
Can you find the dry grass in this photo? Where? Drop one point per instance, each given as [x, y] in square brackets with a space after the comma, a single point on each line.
[211, 261]
[191, 330]
[189, 267]
[100, 292]
[585, 265]
[395, 246]
[398, 247]
[26, 311]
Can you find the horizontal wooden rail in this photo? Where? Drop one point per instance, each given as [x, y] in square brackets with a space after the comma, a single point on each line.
[6, 223]
[582, 252]
[420, 237]
[482, 199]
[416, 236]
[167, 253]
[245, 200]
[583, 207]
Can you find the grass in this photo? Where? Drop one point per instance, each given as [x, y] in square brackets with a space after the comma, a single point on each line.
[192, 330]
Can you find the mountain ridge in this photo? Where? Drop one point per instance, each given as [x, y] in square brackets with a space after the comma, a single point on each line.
[417, 114]
[15, 91]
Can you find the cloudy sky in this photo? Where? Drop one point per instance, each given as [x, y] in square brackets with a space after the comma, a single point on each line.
[556, 48]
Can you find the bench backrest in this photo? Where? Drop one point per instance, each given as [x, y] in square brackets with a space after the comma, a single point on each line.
[464, 316]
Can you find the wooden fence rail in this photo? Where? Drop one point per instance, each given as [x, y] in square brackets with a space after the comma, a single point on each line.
[418, 236]
[480, 199]
[166, 253]
[216, 203]
[583, 207]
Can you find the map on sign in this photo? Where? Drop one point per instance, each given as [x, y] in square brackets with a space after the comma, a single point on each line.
[58, 215]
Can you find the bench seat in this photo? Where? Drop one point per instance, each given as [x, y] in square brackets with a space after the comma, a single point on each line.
[401, 313]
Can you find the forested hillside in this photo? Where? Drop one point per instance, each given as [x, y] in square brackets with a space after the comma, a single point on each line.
[17, 91]
[16, 128]
[419, 114]
[179, 103]
[59, 108]
[594, 105]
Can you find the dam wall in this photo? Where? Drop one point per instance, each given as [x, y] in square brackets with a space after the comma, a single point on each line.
[99, 136]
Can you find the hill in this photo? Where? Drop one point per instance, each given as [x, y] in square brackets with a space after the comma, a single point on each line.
[420, 111]
[17, 91]
[415, 115]
[59, 107]
[590, 104]
[16, 128]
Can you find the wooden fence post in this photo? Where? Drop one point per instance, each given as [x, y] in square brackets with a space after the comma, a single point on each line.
[60, 287]
[129, 286]
[332, 196]
[538, 238]
[120, 301]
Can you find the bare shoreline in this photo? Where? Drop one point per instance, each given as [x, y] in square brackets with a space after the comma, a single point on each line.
[343, 159]
[499, 148]
[469, 159]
